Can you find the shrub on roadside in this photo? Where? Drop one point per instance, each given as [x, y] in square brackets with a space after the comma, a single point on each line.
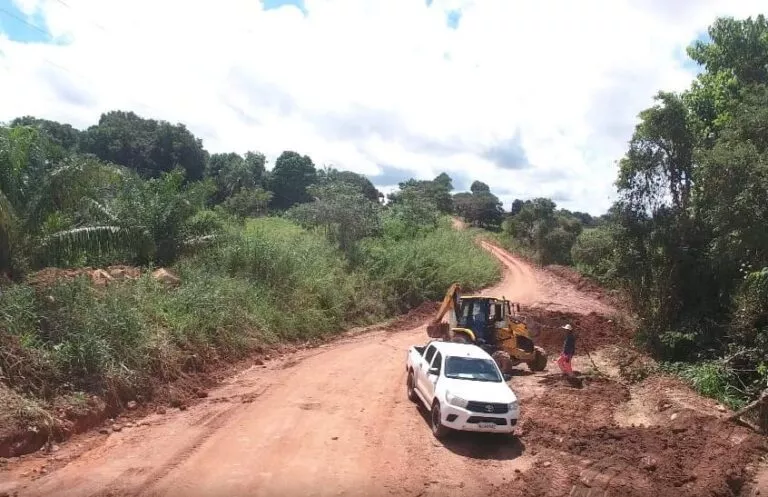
[422, 268]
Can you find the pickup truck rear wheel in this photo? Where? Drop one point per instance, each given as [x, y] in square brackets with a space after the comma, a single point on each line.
[438, 430]
[410, 385]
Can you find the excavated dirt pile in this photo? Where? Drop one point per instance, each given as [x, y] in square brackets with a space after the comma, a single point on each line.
[588, 455]
[581, 282]
[49, 276]
[593, 330]
[414, 317]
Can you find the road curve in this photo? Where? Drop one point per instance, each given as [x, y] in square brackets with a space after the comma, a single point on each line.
[330, 421]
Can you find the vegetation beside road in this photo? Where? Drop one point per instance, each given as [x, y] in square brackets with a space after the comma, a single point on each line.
[686, 241]
[263, 258]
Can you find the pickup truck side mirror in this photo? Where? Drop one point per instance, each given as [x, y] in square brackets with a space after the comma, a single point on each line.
[434, 371]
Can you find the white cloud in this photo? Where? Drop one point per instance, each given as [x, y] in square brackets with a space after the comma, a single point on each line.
[371, 84]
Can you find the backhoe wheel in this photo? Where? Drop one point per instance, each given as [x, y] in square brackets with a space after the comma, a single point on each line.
[460, 338]
[411, 386]
[539, 362]
[438, 430]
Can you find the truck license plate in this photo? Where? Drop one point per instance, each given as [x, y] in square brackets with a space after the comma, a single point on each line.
[487, 425]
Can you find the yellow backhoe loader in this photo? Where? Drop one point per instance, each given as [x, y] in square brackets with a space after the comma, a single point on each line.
[494, 324]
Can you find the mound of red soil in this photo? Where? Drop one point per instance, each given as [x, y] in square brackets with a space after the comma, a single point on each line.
[588, 454]
[699, 457]
[581, 282]
[415, 317]
[593, 330]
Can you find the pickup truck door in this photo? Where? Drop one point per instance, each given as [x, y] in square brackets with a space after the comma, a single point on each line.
[423, 366]
[431, 379]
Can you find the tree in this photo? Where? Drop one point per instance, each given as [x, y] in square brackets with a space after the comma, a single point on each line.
[148, 146]
[734, 57]
[342, 211]
[659, 163]
[150, 215]
[44, 206]
[289, 180]
[479, 187]
[549, 234]
[62, 139]
[233, 173]
[732, 183]
[411, 215]
[480, 208]
[592, 253]
[437, 191]
[658, 223]
[248, 202]
[535, 219]
[738, 47]
[331, 175]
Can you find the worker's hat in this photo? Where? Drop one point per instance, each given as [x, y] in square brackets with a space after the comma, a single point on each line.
[567, 327]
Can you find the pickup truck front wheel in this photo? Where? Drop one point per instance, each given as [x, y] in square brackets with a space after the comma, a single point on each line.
[410, 387]
[438, 430]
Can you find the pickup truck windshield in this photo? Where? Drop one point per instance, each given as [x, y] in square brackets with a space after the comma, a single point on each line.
[471, 368]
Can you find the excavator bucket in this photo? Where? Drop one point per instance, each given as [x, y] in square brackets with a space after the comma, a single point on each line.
[438, 330]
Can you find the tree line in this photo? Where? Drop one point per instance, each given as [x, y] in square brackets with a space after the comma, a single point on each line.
[140, 190]
[688, 238]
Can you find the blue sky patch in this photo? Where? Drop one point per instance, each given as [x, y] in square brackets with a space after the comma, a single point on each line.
[20, 27]
[276, 4]
[453, 17]
[682, 55]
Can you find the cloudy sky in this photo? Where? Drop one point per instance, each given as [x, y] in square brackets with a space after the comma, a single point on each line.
[534, 97]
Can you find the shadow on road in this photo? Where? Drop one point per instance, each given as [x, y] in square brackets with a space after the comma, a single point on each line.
[517, 372]
[497, 446]
[575, 381]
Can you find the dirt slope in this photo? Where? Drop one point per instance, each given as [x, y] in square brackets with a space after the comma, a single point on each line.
[335, 421]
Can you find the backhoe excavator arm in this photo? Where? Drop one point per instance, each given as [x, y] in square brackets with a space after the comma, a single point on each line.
[449, 302]
[436, 328]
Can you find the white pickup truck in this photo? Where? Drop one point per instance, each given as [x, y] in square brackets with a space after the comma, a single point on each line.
[462, 387]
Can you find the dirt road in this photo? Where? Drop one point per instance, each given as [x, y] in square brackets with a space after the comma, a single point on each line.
[335, 421]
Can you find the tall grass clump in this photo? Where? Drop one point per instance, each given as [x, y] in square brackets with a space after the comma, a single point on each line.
[421, 268]
[713, 379]
[306, 280]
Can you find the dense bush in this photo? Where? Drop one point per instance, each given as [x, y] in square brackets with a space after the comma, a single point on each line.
[423, 267]
[592, 253]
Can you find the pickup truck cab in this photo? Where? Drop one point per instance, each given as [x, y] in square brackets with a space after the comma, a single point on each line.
[462, 387]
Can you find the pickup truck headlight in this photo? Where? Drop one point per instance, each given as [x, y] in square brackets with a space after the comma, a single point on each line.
[514, 405]
[455, 400]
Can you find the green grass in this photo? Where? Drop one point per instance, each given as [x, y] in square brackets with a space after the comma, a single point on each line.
[422, 268]
[711, 379]
[258, 285]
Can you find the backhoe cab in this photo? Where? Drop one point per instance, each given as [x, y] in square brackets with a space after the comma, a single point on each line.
[491, 323]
